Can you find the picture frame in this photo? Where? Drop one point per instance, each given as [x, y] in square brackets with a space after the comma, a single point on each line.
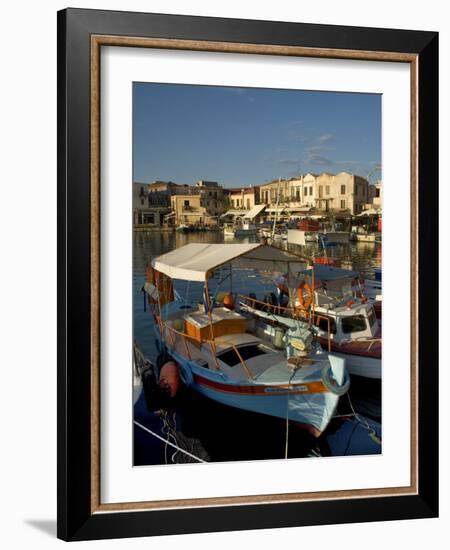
[81, 35]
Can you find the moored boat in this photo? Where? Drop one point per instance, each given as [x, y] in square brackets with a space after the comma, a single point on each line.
[221, 353]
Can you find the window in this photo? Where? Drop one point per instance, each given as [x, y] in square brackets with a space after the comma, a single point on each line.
[327, 190]
[186, 203]
[357, 323]
[310, 190]
[372, 317]
[320, 191]
[248, 204]
[377, 193]
[342, 189]
[306, 192]
[297, 193]
[142, 201]
[322, 323]
[343, 204]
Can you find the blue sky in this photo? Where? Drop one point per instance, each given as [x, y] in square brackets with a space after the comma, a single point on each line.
[247, 136]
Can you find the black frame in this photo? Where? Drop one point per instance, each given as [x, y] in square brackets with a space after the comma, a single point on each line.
[75, 521]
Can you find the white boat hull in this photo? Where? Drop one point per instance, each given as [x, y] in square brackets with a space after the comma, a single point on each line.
[312, 412]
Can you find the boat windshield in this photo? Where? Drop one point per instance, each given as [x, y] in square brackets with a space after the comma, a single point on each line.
[355, 323]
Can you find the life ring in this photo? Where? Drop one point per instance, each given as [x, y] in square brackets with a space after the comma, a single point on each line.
[330, 383]
[305, 303]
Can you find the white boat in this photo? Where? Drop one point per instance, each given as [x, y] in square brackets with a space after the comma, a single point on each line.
[345, 319]
[244, 228]
[335, 237]
[220, 352]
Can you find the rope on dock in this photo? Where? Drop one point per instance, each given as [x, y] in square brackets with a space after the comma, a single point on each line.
[166, 442]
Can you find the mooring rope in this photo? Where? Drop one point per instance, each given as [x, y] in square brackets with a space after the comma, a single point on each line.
[166, 442]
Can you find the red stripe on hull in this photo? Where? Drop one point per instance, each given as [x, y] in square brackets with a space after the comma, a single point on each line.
[312, 387]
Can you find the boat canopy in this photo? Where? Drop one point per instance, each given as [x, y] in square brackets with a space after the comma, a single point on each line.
[328, 273]
[196, 261]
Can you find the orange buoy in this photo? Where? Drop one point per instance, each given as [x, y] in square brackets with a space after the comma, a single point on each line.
[228, 301]
[305, 303]
[169, 378]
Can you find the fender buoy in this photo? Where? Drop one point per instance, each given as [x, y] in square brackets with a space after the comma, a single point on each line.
[228, 301]
[330, 383]
[305, 303]
[349, 304]
[169, 378]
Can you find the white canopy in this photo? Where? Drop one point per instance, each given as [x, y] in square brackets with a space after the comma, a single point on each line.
[194, 261]
[255, 211]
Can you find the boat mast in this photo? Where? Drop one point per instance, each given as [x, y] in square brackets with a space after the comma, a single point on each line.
[276, 209]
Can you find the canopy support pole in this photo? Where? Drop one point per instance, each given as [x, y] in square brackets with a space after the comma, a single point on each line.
[213, 341]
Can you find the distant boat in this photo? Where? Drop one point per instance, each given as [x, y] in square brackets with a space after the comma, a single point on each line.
[183, 228]
[243, 228]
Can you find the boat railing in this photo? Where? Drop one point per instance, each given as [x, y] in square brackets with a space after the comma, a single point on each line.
[295, 312]
[369, 340]
[211, 344]
[275, 307]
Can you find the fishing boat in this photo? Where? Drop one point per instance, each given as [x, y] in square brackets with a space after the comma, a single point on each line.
[345, 317]
[345, 322]
[242, 227]
[222, 353]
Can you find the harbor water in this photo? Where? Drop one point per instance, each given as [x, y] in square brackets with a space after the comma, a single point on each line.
[214, 432]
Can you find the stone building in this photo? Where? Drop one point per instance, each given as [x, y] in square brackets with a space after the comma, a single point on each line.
[375, 195]
[243, 198]
[159, 192]
[211, 196]
[269, 192]
[147, 210]
[337, 193]
[188, 210]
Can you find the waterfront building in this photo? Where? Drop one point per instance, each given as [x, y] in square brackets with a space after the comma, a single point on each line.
[159, 192]
[212, 197]
[188, 210]
[335, 193]
[243, 198]
[342, 193]
[148, 208]
[376, 194]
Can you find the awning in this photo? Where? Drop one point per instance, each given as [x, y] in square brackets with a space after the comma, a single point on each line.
[299, 209]
[235, 213]
[370, 212]
[273, 210]
[195, 261]
[255, 211]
